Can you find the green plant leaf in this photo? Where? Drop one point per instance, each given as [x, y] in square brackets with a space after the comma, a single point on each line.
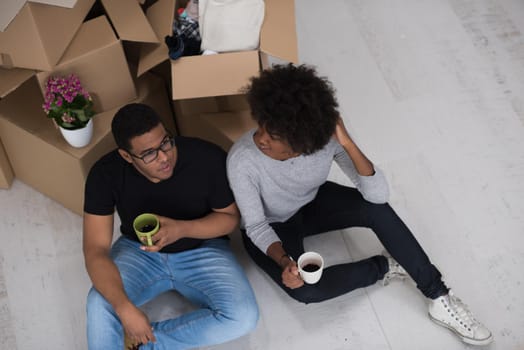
[80, 115]
[54, 114]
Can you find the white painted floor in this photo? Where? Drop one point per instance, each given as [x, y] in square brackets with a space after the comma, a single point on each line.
[433, 92]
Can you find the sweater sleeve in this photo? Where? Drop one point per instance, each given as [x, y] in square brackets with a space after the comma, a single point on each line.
[374, 188]
[248, 199]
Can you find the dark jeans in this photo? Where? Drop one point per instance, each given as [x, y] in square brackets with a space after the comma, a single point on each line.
[337, 207]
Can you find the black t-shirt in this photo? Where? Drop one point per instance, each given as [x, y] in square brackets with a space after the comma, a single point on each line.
[198, 184]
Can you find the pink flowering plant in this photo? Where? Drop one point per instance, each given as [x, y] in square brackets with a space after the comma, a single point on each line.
[67, 102]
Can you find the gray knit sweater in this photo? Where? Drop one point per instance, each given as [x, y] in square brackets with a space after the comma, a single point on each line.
[268, 190]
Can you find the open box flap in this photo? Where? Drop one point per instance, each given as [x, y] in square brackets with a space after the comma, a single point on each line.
[92, 35]
[61, 3]
[278, 36]
[6, 171]
[130, 21]
[96, 56]
[161, 16]
[23, 108]
[23, 29]
[10, 8]
[10, 79]
[8, 11]
[45, 32]
[212, 75]
[58, 26]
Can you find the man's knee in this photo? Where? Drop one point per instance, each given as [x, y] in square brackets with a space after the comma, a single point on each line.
[94, 299]
[97, 305]
[241, 320]
[249, 318]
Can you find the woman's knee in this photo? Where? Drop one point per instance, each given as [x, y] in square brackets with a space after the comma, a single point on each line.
[305, 295]
[379, 212]
[377, 208]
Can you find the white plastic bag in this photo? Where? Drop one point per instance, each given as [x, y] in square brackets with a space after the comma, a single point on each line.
[230, 25]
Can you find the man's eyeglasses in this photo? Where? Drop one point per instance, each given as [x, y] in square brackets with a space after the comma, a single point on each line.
[152, 154]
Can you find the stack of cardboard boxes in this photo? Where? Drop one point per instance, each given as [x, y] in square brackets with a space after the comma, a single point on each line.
[116, 48]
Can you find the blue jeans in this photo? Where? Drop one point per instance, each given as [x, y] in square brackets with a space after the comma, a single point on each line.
[209, 276]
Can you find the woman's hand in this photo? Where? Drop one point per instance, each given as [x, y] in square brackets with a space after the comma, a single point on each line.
[290, 275]
[362, 164]
[341, 134]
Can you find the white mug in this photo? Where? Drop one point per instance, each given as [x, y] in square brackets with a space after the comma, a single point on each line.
[310, 266]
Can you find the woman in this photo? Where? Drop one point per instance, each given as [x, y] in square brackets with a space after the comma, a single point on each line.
[278, 174]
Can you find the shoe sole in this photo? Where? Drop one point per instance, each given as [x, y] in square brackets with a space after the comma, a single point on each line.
[394, 278]
[466, 340]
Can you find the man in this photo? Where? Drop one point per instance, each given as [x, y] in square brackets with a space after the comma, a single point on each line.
[278, 174]
[182, 181]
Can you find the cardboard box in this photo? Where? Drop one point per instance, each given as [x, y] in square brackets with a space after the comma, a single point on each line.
[9, 8]
[97, 57]
[225, 73]
[62, 3]
[220, 119]
[153, 92]
[6, 172]
[8, 11]
[187, 112]
[45, 161]
[227, 127]
[130, 21]
[39, 34]
[232, 103]
[161, 16]
[12, 78]
[213, 75]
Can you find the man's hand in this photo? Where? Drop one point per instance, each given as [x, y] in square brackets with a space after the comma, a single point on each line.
[136, 324]
[170, 231]
[290, 275]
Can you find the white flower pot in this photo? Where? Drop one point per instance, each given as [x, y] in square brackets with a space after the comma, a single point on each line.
[80, 137]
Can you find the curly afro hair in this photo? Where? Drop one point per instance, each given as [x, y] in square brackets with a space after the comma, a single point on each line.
[295, 104]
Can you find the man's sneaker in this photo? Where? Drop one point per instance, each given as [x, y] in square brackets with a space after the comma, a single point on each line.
[450, 312]
[395, 271]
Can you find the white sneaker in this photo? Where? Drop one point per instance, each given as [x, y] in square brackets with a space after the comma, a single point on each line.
[450, 312]
[395, 270]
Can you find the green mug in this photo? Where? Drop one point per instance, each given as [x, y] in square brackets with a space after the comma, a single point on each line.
[145, 226]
